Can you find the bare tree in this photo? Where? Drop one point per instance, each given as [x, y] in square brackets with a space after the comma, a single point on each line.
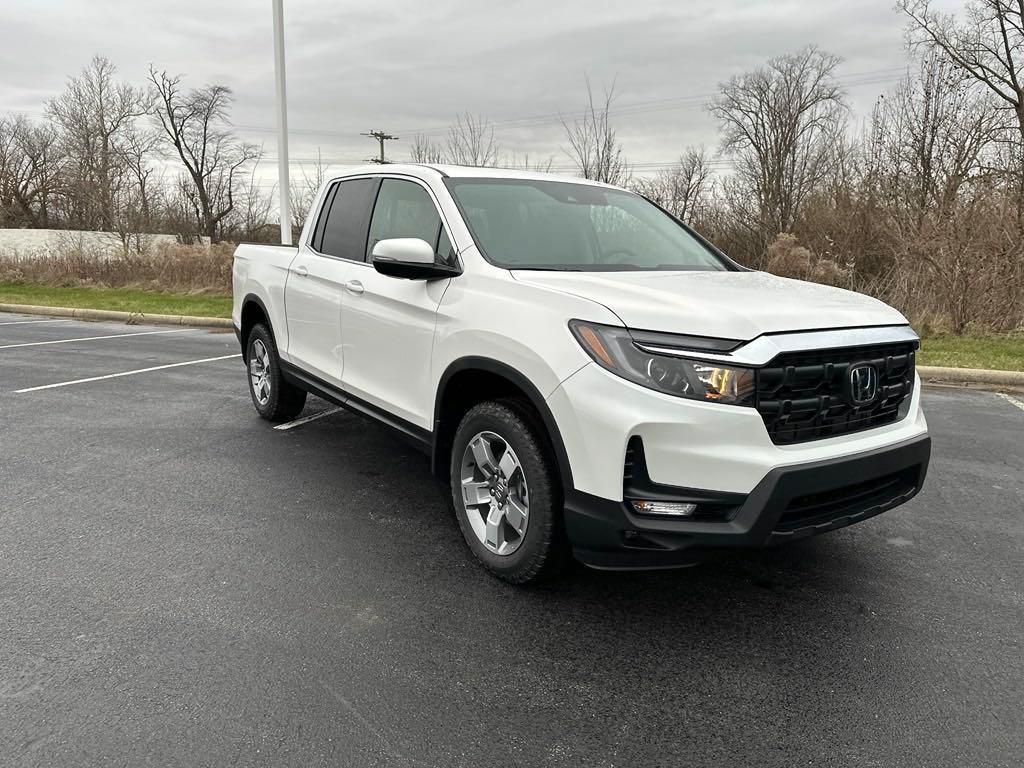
[303, 194]
[425, 150]
[780, 124]
[31, 161]
[932, 133]
[989, 46]
[195, 125]
[525, 163]
[682, 189]
[471, 142]
[95, 115]
[930, 141]
[134, 189]
[251, 215]
[593, 144]
[183, 215]
[140, 147]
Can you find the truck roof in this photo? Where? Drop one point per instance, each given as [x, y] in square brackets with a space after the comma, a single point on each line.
[423, 170]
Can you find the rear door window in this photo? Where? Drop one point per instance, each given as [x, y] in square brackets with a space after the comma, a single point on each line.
[344, 230]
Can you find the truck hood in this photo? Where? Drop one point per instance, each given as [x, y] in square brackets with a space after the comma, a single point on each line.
[728, 305]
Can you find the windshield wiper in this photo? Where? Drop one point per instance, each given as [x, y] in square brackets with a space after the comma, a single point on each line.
[544, 269]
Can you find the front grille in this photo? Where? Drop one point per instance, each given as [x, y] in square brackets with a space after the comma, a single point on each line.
[860, 499]
[802, 395]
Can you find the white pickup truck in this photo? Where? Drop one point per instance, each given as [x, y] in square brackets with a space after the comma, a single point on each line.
[590, 377]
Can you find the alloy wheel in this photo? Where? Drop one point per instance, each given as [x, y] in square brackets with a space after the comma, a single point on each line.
[259, 372]
[495, 493]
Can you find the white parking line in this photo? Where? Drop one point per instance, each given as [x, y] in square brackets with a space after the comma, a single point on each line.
[91, 338]
[1011, 400]
[126, 373]
[25, 322]
[307, 419]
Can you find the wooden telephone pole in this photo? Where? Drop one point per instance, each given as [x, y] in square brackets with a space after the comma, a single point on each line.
[381, 137]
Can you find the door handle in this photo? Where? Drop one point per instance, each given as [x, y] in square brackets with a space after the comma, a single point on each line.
[354, 286]
[301, 271]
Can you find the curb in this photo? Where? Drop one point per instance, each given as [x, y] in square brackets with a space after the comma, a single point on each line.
[974, 376]
[131, 318]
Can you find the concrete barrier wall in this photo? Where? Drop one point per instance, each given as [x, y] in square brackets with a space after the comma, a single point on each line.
[42, 242]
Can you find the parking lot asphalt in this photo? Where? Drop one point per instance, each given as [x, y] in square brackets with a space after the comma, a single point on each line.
[182, 584]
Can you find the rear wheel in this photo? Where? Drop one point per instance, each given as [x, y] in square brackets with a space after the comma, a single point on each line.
[275, 399]
[506, 493]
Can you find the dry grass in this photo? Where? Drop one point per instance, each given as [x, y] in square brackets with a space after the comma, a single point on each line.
[188, 269]
[979, 293]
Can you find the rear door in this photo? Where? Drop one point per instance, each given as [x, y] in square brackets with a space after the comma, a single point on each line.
[389, 321]
[315, 290]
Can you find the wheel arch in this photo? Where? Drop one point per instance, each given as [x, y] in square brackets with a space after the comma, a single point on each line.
[453, 398]
[253, 312]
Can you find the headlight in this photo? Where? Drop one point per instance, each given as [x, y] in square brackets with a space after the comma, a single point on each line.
[615, 350]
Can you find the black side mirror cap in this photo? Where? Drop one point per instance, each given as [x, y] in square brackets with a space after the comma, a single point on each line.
[412, 270]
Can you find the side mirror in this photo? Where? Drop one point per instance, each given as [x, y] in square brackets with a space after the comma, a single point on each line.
[408, 257]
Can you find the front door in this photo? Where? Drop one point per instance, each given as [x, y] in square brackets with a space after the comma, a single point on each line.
[389, 322]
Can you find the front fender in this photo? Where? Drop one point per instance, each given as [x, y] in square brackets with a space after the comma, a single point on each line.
[539, 402]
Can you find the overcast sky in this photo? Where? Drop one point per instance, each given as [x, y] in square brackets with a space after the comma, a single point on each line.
[410, 66]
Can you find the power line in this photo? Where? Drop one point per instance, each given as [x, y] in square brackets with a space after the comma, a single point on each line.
[715, 163]
[872, 77]
[855, 79]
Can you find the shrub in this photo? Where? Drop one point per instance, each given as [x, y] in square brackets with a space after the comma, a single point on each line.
[167, 267]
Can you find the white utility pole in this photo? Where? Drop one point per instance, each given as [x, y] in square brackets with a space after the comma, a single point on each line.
[282, 124]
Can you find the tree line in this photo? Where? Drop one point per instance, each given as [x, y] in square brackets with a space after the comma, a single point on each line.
[921, 202]
[96, 160]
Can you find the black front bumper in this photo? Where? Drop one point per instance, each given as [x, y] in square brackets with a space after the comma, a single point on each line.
[789, 503]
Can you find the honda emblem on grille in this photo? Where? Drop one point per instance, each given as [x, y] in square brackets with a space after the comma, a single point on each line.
[862, 384]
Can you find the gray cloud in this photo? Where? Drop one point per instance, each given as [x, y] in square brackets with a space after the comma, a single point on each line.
[408, 64]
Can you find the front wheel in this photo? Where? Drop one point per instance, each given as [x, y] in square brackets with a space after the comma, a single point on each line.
[506, 493]
[275, 399]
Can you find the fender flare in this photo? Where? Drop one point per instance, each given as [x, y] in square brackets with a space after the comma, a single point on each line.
[532, 393]
[252, 298]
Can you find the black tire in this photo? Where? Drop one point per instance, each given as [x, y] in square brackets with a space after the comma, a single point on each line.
[284, 401]
[543, 550]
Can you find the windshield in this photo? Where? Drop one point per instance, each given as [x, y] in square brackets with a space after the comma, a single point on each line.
[555, 225]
